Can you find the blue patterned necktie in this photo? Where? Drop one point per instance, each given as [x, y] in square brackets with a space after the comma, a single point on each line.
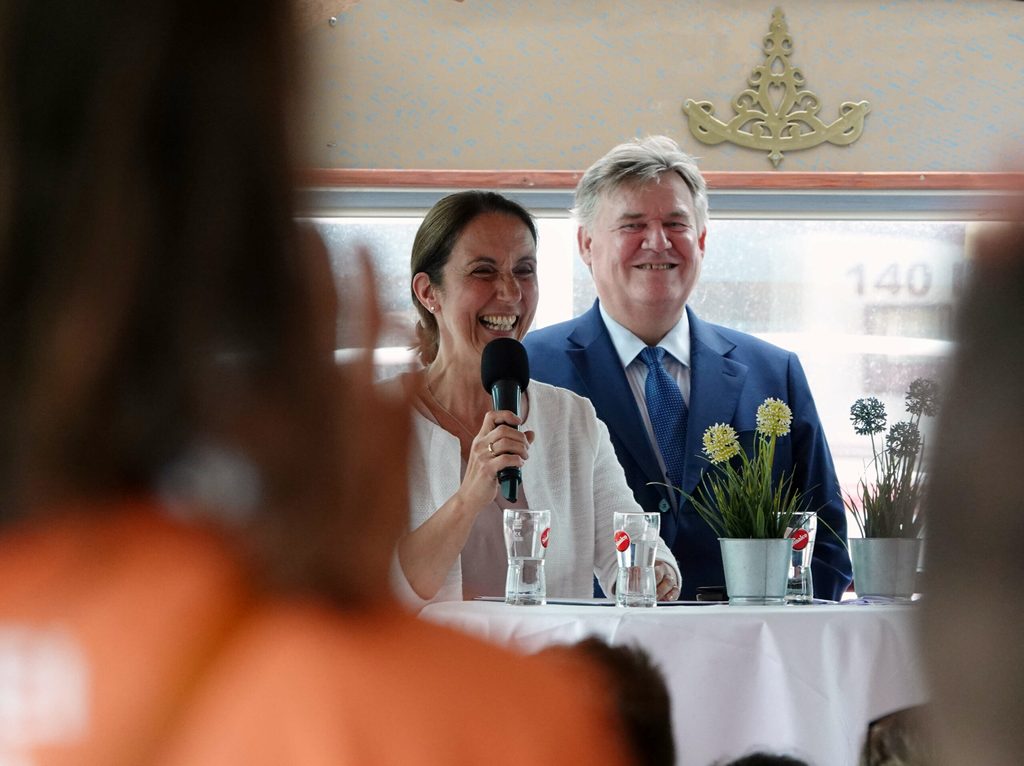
[668, 413]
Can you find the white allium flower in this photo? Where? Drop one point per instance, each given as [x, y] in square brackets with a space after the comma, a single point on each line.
[721, 443]
[774, 417]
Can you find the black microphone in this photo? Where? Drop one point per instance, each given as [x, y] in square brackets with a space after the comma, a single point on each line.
[505, 373]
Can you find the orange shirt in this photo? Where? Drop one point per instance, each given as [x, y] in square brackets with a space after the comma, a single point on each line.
[128, 638]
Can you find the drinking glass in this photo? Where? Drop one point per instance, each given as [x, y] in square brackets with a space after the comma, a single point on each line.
[802, 530]
[636, 544]
[527, 534]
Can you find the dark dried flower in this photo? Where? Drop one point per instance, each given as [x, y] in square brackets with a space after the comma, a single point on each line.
[868, 416]
[888, 503]
[923, 397]
[904, 439]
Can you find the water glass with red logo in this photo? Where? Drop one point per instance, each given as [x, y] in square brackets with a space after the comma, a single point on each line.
[527, 535]
[802, 529]
[636, 545]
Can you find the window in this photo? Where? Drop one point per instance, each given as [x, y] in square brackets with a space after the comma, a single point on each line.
[862, 285]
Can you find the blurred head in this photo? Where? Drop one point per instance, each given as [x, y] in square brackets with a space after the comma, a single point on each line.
[766, 759]
[474, 274]
[974, 510]
[156, 303]
[640, 694]
[900, 738]
[642, 213]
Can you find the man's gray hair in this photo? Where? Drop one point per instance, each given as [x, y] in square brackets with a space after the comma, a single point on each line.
[637, 162]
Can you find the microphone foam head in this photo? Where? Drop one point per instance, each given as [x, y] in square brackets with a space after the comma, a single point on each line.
[504, 359]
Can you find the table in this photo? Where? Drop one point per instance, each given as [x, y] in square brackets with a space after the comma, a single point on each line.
[800, 680]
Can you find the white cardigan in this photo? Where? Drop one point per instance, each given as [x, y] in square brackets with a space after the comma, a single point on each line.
[572, 470]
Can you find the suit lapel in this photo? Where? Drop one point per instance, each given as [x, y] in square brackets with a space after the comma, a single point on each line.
[592, 353]
[715, 385]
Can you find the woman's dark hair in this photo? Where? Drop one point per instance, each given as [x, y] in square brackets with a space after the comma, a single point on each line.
[435, 239]
[154, 296]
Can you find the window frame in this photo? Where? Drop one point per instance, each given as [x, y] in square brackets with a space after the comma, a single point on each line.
[969, 196]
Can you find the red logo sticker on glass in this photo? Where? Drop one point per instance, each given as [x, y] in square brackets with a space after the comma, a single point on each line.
[544, 537]
[800, 538]
[621, 540]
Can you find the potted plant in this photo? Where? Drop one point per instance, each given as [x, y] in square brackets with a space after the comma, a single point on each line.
[751, 514]
[887, 503]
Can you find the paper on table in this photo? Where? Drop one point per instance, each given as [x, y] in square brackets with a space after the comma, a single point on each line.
[559, 601]
[602, 602]
[873, 601]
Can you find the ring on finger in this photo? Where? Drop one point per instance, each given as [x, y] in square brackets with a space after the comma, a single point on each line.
[490, 447]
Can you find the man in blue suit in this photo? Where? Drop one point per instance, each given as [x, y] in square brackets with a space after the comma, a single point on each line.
[642, 213]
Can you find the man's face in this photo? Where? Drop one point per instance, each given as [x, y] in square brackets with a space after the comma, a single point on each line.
[645, 252]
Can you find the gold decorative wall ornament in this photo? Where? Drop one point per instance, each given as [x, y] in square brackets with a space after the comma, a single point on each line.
[774, 113]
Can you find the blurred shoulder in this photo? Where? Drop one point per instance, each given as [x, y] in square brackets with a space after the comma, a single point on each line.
[349, 678]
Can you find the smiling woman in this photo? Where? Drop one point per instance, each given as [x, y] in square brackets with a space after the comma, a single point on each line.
[484, 247]
[474, 279]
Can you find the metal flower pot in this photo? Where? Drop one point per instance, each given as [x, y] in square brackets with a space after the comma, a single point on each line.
[756, 571]
[885, 566]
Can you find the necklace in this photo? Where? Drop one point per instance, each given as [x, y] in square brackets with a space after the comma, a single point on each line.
[468, 433]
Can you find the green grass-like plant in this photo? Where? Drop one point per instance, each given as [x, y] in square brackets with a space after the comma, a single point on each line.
[737, 497]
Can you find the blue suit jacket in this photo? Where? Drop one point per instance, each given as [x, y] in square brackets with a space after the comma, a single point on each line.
[731, 374]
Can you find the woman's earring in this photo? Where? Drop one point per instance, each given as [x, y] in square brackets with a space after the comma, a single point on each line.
[432, 308]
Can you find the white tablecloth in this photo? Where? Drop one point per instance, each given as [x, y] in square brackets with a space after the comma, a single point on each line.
[801, 680]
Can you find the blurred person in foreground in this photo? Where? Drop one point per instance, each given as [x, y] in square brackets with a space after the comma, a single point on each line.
[474, 280]
[974, 510]
[658, 375]
[197, 508]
